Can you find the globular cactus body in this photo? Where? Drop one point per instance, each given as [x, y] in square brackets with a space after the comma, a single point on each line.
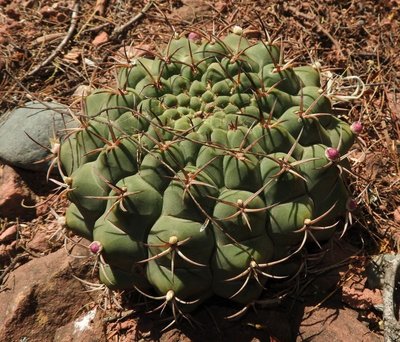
[208, 170]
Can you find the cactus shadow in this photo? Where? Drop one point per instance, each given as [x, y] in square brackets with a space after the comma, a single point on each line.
[36, 181]
[295, 319]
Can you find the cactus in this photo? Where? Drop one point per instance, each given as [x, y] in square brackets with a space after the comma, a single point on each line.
[207, 171]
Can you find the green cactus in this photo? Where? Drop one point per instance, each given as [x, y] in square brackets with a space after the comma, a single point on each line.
[207, 172]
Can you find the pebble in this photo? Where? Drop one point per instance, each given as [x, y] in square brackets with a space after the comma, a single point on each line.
[39, 120]
[8, 234]
[13, 190]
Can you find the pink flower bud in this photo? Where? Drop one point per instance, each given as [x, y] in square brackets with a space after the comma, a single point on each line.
[194, 37]
[332, 153]
[356, 127]
[95, 247]
[351, 204]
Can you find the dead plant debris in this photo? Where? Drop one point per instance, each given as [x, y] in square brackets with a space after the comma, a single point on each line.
[49, 51]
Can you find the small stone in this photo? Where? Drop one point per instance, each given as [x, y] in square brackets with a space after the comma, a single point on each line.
[13, 191]
[100, 39]
[40, 242]
[9, 234]
[24, 129]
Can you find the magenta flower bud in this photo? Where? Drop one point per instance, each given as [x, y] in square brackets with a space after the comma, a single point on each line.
[332, 153]
[351, 204]
[95, 247]
[356, 127]
[194, 37]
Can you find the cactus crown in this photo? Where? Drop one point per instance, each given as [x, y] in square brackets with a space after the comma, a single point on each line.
[207, 171]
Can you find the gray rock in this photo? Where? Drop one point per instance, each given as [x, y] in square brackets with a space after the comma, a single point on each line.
[376, 270]
[25, 129]
[384, 272]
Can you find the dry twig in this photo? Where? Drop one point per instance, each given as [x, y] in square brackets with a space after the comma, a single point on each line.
[48, 60]
[311, 20]
[121, 29]
[392, 325]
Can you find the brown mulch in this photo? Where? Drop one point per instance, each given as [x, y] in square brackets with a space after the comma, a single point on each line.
[352, 37]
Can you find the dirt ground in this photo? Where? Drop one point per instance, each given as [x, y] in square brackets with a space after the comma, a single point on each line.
[49, 53]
